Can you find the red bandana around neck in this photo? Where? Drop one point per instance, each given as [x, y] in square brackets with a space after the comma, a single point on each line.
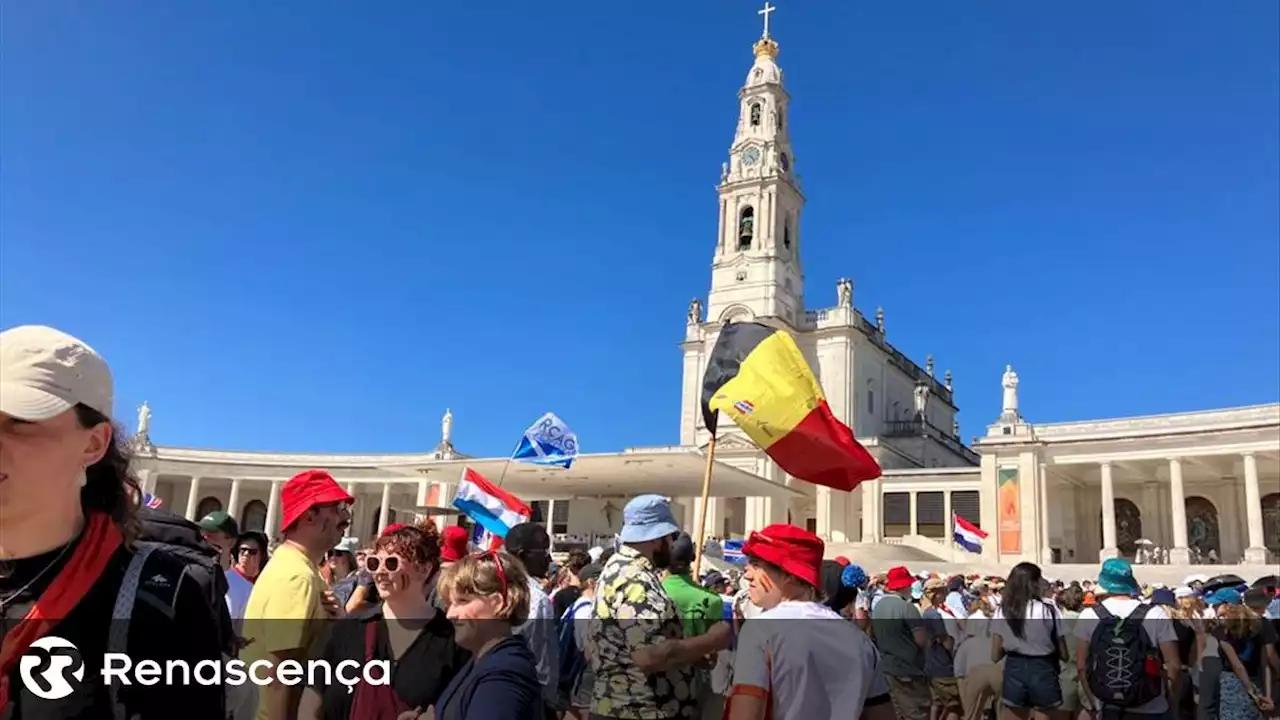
[94, 549]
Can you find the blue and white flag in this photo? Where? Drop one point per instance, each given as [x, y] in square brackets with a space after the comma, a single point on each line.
[548, 442]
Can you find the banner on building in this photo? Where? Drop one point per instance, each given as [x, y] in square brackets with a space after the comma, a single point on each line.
[1009, 497]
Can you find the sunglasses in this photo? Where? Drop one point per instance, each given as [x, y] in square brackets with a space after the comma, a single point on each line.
[251, 551]
[389, 563]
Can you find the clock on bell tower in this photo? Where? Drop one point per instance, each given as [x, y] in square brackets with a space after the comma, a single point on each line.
[756, 271]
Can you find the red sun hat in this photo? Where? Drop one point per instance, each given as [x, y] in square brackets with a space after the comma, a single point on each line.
[842, 561]
[453, 543]
[898, 579]
[796, 551]
[306, 490]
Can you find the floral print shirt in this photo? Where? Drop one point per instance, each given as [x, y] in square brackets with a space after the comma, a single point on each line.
[633, 611]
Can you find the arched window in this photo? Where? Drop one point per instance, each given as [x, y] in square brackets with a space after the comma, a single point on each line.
[786, 232]
[755, 114]
[1203, 534]
[780, 129]
[208, 505]
[784, 162]
[746, 227]
[871, 399]
[254, 516]
[1271, 522]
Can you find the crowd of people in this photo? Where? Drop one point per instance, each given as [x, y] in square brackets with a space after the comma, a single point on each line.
[626, 632]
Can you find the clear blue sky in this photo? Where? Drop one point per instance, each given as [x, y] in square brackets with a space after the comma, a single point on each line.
[315, 225]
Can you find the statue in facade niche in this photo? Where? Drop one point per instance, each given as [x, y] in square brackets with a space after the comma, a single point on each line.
[446, 427]
[921, 395]
[844, 292]
[1010, 384]
[695, 311]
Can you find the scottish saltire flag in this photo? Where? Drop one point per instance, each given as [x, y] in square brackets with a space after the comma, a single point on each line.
[151, 501]
[488, 505]
[548, 442]
[966, 534]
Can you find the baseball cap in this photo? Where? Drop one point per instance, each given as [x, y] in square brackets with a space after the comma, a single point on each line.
[590, 571]
[306, 490]
[219, 521]
[45, 372]
[646, 518]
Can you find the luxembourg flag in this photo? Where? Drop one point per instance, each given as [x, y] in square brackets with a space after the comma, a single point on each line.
[488, 505]
[967, 535]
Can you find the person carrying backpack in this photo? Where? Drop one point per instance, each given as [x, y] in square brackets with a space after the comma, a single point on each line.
[576, 679]
[1126, 650]
[78, 578]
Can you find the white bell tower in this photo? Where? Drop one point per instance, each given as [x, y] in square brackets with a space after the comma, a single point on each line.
[756, 271]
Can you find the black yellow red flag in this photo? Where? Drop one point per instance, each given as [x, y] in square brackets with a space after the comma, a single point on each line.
[759, 378]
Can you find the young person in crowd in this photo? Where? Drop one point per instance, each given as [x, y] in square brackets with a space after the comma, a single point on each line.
[980, 680]
[580, 614]
[702, 612]
[286, 612]
[565, 589]
[639, 673]
[342, 571]
[799, 659]
[69, 513]
[406, 630]
[1247, 647]
[250, 554]
[1028, 634]
[898, 630]
[1118, 596]
[531, 545]
[1071, 604]
[942, 630]
[221, 531]
[487, 595]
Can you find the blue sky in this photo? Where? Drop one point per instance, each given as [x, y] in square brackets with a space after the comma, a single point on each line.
[315, 225]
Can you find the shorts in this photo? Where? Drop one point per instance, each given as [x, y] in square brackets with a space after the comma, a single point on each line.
[946, 695]
[1031, 682]
[583, 690]
[910, 696]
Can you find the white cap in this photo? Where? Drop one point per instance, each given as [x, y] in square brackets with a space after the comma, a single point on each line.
[45, 372]
[1183, 591]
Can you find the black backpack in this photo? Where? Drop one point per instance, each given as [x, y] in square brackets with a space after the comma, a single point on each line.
[180, 539]
[1124, 667]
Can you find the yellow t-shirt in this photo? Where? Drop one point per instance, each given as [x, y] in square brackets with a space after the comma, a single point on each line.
[284, 610]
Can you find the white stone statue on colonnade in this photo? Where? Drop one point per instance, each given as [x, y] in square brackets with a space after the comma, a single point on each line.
[144, 420]
[1009, 407]
[446, 427]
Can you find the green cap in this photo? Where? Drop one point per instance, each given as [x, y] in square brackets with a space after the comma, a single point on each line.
[219, 521]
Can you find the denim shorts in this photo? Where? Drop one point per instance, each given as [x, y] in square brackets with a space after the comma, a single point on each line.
[1031, 682]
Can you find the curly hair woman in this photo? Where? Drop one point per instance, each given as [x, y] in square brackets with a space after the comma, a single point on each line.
[407, 631]
[68, 506]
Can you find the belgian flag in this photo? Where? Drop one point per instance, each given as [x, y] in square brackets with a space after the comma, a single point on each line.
[757, 375]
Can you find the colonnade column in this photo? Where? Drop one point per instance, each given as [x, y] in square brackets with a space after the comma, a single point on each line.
[384, 510]
[273, 511]
[1109, 549]
[193, 498]
[914, 526]
[351, 490]
[1046, 551]
[1256, 552]
[233, 500]
[1180, 554]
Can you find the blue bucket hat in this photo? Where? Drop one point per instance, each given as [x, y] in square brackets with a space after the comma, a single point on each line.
[1117, 578]
[1224, 596]
[647, 517]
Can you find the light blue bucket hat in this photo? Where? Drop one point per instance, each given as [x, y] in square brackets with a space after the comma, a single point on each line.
[647, 517]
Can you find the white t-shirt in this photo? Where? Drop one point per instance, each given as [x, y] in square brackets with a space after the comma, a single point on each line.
[1037, 629]
[815, 670]
[975, 649]
[1157, 623]
[238, 590]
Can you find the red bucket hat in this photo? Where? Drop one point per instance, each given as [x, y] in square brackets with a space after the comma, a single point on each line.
[898, 578]
[306, 490]
[453, 543]
[796, 551]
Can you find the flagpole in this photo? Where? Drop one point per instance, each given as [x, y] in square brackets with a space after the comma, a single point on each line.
[702, 514]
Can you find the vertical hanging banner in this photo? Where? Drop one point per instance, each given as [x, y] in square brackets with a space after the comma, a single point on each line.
[1009, 498]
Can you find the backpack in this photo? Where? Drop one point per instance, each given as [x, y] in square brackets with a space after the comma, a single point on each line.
[1123, 668]
[180, 539]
